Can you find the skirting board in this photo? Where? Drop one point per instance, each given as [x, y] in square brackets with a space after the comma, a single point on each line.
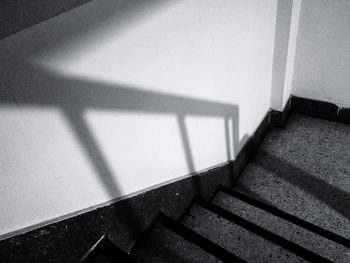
[320, 109]
[279, 118]
[309, 107]
[123, 221]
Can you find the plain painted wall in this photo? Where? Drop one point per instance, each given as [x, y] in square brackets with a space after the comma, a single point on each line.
[322, 64]
[293, 33]
[116, 97]
[287, 23]
[21, 14]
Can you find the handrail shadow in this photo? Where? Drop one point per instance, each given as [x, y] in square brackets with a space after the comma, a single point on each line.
[74, 96]
[333, 196]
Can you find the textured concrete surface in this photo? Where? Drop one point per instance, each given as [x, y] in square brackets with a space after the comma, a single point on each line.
[239, 241]
[162, 245]
[68, 240]
[296, 234]
[304, 170]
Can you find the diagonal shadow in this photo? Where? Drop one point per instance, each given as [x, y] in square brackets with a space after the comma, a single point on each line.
[74, 96]
[336, 198]
[87, 19]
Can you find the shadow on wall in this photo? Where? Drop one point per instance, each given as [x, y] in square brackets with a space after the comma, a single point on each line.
[74, 96]
[19, 15]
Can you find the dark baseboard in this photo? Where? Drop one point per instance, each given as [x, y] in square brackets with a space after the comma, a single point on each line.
[124, 221]
[320, 109]
[279, 118]
[250, 148]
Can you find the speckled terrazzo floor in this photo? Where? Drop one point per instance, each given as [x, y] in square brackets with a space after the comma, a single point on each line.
[303, 169]
[162, 245]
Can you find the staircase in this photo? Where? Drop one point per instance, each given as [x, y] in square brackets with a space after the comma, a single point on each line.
[290, 205]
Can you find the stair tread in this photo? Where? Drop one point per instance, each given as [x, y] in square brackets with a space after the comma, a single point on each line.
[199, 240]
[105, 251]
[263, 205]
[239, 241]
[304, 170]
[290, 231]
[163, 245]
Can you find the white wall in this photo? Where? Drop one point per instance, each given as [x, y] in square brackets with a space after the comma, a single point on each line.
[287, 23]
[322, 66]
[293, 33]
[114, 97]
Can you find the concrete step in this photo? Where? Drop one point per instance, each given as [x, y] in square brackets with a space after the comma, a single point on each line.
[307, 239]
[236, 239]
[162, 245]
[304, 170]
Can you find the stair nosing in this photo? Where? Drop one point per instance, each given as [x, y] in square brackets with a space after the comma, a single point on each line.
[199, 240]
[287, 216]
[262, 232]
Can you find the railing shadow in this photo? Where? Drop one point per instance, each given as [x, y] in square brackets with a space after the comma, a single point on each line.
[74, 96]
[330, 195]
